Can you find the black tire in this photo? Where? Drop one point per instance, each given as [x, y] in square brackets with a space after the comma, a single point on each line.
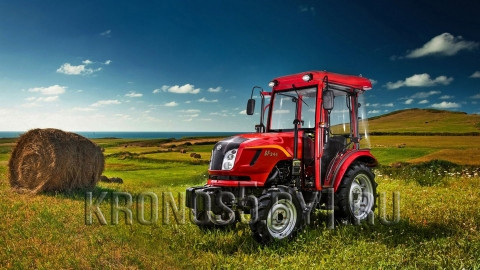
[350, 206]
[279, 216]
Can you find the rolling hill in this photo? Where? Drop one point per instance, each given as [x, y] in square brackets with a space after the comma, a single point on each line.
[425, 122]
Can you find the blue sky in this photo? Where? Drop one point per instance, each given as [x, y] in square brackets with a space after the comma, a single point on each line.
[190, 65]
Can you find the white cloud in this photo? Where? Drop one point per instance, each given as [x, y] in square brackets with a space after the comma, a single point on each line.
[444, 44]
[133, 94]
[48, 99]
[184, 89]
[446, 105]
[51, 90]
[188, 102]
[84, 109]
[425, 94]
[207, 101]
[156, 91]
[69, 69]
[373, 111]
[476, 74]
[189, 111]
[409, 101]
[477, 96]
[305, 8]
[388, 105]
[106, 102]
[243, 112]
[215, 90]
[419, 80]
[108, 62]
[106, 33]
[423, 101]
[446, 97]
[171, 104]
[373, 81]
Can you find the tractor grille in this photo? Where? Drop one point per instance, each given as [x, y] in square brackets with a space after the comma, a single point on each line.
[221, 148]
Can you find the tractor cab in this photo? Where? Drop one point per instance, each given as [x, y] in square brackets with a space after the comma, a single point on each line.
[312, 138]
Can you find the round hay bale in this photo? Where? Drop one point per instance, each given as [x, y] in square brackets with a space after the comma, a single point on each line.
[197, 156]
[192, 154]
[54, 160]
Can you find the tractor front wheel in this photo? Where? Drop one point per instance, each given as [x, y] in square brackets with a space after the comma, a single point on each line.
[279, 216]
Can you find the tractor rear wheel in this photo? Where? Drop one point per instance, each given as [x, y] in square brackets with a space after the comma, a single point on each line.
[279, 216]
[355, 197]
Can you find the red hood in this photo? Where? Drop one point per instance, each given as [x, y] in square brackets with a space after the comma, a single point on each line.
[283, 139]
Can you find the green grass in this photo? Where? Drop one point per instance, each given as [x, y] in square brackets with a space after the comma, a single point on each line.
[439, 227]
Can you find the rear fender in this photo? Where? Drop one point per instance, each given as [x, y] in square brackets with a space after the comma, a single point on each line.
[342, 162]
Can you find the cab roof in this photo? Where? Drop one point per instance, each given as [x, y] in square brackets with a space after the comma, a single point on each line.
[334, 79]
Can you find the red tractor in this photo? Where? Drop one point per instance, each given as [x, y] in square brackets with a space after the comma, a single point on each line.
[307, 155]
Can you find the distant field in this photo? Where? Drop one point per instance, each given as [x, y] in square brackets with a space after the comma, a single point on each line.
[425, 121]
[463, 150]
[439, 226]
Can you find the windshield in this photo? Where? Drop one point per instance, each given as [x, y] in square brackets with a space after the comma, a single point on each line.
[283, 109]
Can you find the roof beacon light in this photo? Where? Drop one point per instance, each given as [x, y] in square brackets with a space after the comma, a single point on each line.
[273, 83]
[307, 77]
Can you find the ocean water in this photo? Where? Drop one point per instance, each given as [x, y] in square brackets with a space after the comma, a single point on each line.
[133, 134]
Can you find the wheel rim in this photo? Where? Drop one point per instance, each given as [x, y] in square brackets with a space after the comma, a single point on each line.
[281, 219]
[361, 196]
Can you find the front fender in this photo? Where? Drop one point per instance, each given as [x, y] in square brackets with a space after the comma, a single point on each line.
[342, 162]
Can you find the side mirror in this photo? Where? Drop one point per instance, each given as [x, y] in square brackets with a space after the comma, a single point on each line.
[328, 99]
[250, 106]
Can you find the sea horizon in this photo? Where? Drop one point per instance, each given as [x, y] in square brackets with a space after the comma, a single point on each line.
[135, 134]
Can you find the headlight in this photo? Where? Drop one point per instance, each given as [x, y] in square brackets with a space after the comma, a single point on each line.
[229, 159]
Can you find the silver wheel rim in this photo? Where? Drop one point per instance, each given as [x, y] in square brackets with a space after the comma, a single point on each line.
[361, 196]
[281, 219]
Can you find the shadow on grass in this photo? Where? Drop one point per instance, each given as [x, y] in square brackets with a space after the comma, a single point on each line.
[80, 194]
[404, 234]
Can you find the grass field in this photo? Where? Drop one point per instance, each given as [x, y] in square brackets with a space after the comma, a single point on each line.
[439, 226]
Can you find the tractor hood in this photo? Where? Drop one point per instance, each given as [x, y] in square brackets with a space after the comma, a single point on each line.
[274, 144]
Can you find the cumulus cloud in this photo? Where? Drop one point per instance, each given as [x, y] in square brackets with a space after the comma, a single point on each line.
[50, 90]
[156, 91]
[108, 62]
[443, 44]
[243, 112]
[133, 94]
[409, 101]
[171, 104]
[446, 97]
[477, 96]
[373, 111]
[476, 75]
[423, 101]
[446, 105]
[215, 90]
[184, 89]
[207, 101]
[69, 69]
[106, 102]
[419, 80]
